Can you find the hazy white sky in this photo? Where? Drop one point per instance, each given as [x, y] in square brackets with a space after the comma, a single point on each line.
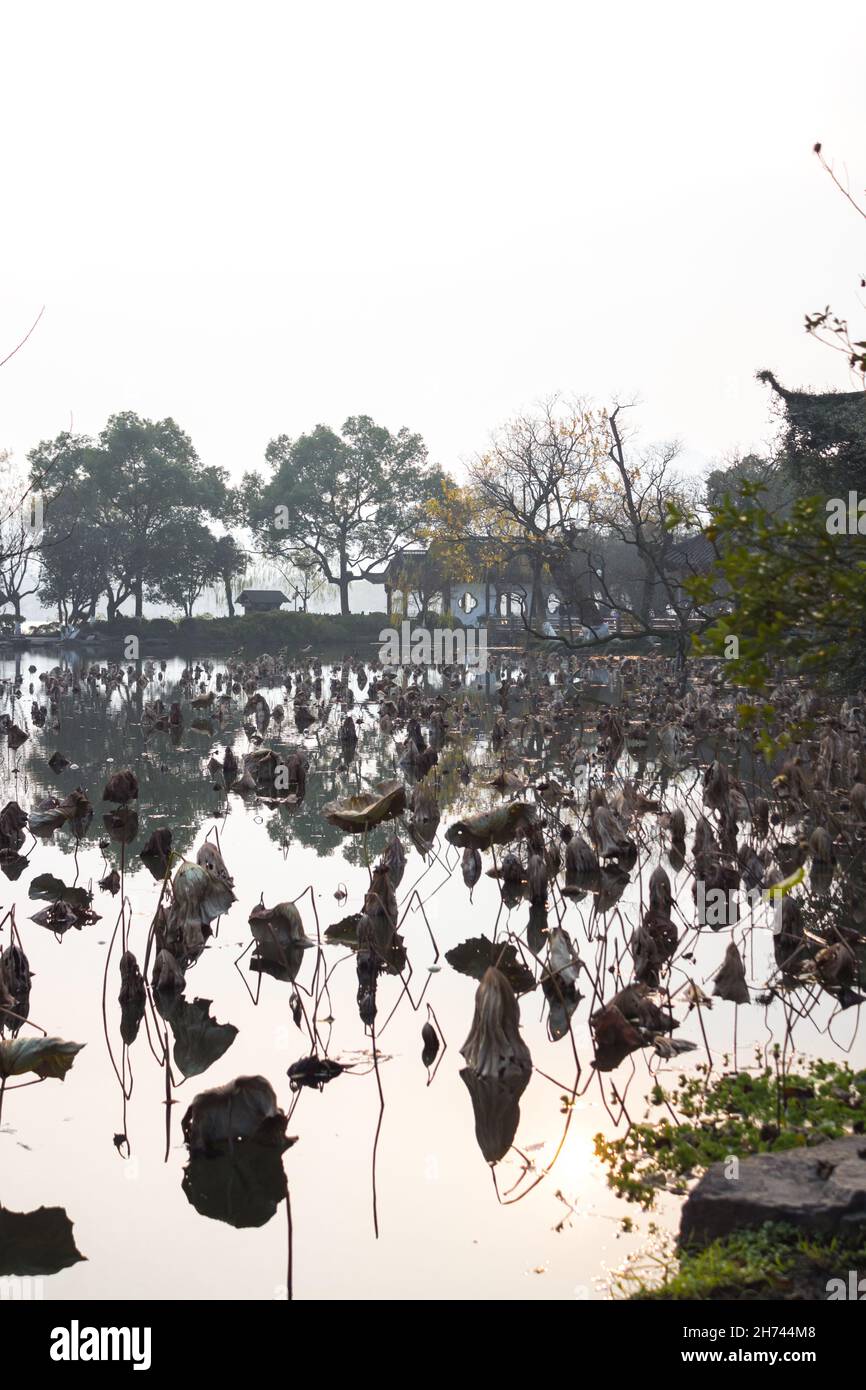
[257, 217]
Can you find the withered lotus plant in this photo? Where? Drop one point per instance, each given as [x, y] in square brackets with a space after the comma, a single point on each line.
[494, 1047]
[244, 1109]
[580, 857]
[471, 866]
[121, 787]
[498, 827]
[615, 1037]
[610, 839]
[731, 978]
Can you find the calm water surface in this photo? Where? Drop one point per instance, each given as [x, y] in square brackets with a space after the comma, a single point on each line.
[449, 1226]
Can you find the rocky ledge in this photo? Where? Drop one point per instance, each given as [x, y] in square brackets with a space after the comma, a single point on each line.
[822, 1189]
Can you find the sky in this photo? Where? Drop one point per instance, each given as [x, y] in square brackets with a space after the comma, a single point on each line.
[255, 218]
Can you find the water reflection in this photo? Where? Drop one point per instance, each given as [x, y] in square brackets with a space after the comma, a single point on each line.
[376, 936]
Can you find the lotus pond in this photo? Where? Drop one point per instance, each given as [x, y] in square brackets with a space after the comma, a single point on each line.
[380, 851]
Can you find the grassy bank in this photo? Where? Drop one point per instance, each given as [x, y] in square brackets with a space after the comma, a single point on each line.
[775, 1262]
[703, 1120]
[255, 632]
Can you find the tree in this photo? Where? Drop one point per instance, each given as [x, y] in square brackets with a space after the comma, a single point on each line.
[558, 492]
[128, 494]
[796, 591]
[21, 536]
[635, 502]
[464, 530]
[727, 478]
[794, 567]
[631, 525]
[303, 577]
[826, 326]
[231, 561]
[75, 554]
[535, 484]
[824, 432]
[348, 502]
[298, 572]
[194, 559]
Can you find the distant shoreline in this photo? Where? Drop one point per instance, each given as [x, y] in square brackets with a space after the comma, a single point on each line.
[262, 631]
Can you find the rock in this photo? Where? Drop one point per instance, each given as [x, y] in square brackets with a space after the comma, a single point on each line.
[822, 1189]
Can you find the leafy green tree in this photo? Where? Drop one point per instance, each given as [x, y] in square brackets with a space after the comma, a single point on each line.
[194, 559]
[349, 502]
[129, 497]
[726, 479]
[795, 591]
[72, 577]
[76, 554]
[231, 561]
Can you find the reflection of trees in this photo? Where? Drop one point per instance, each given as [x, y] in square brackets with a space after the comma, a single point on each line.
[101, 734]
[330, 777]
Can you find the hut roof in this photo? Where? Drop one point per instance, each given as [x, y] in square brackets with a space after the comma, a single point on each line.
[259, 595]
[693, 556]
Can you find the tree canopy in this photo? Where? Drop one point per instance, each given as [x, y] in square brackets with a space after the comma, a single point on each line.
[795, 592]
[128, 504]
[349, 501]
